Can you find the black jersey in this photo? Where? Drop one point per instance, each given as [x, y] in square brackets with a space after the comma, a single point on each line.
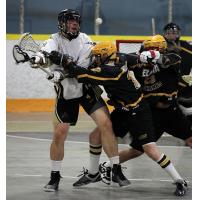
[120, 84]
[184, 49]
[159, 81]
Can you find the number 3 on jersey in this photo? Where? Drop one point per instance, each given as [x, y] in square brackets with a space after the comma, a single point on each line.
[149, 80]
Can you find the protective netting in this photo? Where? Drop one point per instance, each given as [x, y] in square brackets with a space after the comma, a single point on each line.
[128, 46]
[19, 55]
[28, 44]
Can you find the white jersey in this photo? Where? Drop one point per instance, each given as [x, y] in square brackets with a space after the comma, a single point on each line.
[79, 49]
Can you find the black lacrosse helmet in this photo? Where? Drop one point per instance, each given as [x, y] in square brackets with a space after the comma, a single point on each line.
[63, 17]
[173, 28]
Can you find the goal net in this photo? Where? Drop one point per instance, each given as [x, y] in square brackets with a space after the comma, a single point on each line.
[128, 46]
[131, 46]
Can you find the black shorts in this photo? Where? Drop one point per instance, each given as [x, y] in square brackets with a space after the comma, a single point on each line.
[66, 111]
[172, 121]
[137, 122]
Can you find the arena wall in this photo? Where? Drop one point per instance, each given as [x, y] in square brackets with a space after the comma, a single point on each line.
[28, 90]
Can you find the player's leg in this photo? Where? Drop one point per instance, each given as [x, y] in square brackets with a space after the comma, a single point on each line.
[119, 121]
[120, 128]
[152, 151]
[92, 174]
[178, 125]
[66, 113]
[110, 145]
[104, 135]
[188, 142]
[90, 103]
[147, 141]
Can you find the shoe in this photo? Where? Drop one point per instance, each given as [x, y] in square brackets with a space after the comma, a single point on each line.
[181, 187]
[53, 184]
[87, 178]
[105, 173]
[118, 176]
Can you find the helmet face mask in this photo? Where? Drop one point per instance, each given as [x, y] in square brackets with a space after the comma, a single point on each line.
[69, 23]
[171, 32]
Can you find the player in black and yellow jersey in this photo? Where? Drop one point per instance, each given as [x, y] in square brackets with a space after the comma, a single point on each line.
[160, 84]
[124, 92]
[172, 34]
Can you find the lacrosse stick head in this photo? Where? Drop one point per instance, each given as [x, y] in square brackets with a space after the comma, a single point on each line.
[27, 43]
[19, 55]
[25, 48]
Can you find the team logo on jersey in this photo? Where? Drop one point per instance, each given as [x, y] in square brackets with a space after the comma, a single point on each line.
[96, 69]
[91, 43]
[148, 72]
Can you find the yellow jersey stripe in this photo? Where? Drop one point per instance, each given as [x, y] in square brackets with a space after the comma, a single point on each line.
[132, 104]
[186, 50]
[161, 94]
[101, 78]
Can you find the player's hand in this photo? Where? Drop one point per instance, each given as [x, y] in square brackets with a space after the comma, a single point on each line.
[187, 79]
[60, 59]
[56, 77]
[56, 57]
[150, 56]
[37, 60]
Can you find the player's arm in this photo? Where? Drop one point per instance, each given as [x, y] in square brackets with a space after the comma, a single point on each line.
[186, 47]
[185, 81]
[103, 75]
[169, 60]
[133, 60]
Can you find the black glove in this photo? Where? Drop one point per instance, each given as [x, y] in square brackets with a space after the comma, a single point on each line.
[56, 57]
[60, 59]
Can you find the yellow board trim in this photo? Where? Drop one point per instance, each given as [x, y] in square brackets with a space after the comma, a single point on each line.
[30, 105]
[33, 105]
[93, 37]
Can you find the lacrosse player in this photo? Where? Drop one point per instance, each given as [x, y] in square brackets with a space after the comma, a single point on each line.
[125, 93]
[159, 79]
[172, 33]
[70, 94]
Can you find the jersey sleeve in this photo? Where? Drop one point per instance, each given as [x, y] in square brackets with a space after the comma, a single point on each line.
[84, 56]
[50, 45]
[104, 75]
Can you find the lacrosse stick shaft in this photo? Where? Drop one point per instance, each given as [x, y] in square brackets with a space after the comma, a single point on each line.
[46, 71]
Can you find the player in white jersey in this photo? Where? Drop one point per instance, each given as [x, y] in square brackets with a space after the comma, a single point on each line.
[70, 94]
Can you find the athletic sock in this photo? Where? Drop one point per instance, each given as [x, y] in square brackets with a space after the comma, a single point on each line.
[166, 164]
[95, 152]
[56, 165]
[114, 160]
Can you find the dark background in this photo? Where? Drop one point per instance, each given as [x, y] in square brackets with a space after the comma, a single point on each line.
[120, 17]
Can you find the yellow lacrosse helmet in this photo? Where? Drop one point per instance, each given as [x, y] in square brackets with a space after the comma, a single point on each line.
[155, 42]
[104, 49]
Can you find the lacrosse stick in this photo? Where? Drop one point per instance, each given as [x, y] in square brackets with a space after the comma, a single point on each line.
[25, 48]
